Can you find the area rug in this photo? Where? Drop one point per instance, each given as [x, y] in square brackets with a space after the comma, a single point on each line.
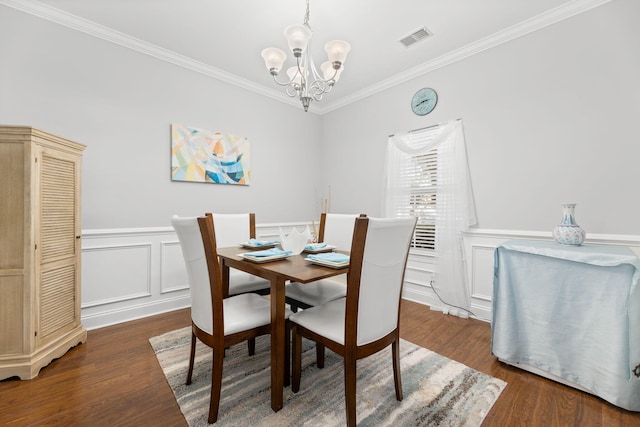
[437, 391]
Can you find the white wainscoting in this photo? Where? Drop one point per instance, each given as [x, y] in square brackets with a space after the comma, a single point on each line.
[133, 273]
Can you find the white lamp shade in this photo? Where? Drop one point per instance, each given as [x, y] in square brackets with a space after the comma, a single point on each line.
[273, 58]
[297, 36]
[337, 50]
[328, 71]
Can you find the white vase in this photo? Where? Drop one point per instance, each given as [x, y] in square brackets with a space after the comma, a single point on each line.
[568, 232]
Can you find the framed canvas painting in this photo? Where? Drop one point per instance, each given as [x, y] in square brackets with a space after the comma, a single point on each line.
[200, 155]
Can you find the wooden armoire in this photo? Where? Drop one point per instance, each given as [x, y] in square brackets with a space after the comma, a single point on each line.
[40, 248]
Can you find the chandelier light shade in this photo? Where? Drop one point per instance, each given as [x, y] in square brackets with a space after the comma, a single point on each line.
[305, 82]
[273, 59]
[298, 37]
[337, 50]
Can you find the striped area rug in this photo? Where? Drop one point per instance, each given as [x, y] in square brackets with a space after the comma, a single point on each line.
[437, 391]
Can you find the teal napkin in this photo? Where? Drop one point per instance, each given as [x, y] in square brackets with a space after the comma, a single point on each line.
[268, 252]
[314, 246]
[256, 242]
[331, 257]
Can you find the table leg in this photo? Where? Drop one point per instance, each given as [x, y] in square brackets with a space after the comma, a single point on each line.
[277, 343]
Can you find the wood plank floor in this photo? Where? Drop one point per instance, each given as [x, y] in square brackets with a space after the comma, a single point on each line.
[114, 379]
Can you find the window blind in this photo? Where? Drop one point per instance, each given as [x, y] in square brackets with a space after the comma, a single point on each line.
[418, 179]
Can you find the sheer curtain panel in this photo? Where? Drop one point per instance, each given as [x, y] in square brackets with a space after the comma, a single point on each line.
[439, 193]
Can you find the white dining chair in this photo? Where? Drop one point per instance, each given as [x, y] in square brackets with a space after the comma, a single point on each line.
[216, 321]
[335, 230]
[231, 230]
[367, 320]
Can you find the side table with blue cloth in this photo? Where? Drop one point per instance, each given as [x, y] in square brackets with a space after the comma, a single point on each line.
[571, 313]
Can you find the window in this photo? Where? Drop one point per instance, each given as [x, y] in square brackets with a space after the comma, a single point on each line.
[416, 187]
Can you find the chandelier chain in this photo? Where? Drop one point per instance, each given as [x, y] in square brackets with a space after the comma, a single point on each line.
[306, 17]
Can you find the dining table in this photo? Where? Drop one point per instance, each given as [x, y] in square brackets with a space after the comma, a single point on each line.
[294, 268]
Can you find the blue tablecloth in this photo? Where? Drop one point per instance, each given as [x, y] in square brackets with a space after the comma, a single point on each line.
[572, 311]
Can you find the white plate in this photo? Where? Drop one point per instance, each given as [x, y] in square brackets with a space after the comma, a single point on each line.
[327, 248]
[328, 263]
[250, 246]
[260, 259]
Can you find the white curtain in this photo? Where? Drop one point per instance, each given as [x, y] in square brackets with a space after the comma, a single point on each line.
[455, 210]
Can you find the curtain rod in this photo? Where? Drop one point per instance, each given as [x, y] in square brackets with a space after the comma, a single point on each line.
[424, 128]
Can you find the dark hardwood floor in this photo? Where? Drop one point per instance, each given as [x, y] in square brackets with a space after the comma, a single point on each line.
[114, 379]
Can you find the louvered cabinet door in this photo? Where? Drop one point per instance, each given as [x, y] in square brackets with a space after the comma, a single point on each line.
[58, 242]
[39, 249]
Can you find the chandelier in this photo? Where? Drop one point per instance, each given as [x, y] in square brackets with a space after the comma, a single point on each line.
[305, 81]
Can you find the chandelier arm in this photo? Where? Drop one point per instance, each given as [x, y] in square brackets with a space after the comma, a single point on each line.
[275, 79]
[320, 87]
[303, 70]
[335, 73]
[292, 91]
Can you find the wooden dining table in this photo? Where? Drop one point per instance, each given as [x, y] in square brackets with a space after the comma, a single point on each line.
[294, 268]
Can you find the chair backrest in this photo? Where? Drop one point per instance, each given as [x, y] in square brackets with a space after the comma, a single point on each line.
[232, 229]
[337, 229]
[197, 240]
[379, 256]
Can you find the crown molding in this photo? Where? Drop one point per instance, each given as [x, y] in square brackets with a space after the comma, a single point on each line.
[89, 27]
[515, 31]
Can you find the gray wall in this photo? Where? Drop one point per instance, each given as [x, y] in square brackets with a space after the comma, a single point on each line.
[549, 118]
[120, 103]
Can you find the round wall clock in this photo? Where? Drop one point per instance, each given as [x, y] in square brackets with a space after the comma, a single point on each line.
[424, 101]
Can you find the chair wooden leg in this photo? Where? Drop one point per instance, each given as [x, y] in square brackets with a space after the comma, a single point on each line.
[287, 354]
[395, 350]
[350, 389]
[319, 355]
[192, 357]
[297, 359]
[251, 346]
[216, 384]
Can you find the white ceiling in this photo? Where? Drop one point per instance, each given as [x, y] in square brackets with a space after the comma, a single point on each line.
[224, 38]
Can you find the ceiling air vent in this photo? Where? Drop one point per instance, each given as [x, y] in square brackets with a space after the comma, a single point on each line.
[416, 36]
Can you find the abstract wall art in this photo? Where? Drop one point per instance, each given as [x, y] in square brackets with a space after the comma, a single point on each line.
[199, 155]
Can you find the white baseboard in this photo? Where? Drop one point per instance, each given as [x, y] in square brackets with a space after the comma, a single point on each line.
[107, 317]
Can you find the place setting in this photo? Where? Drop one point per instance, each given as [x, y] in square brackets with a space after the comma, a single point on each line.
[259, 244]
[267, 255]
[316, 248]
[329, 259]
